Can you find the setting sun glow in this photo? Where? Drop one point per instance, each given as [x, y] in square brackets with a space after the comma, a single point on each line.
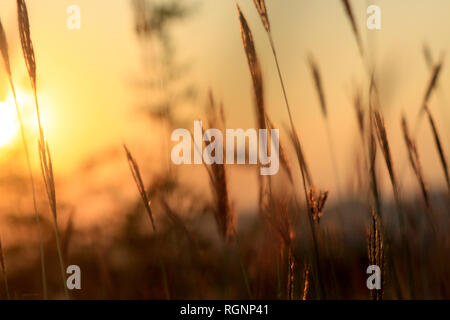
[9, 126]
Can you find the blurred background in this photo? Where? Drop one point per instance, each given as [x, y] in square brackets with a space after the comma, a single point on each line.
[138, 69]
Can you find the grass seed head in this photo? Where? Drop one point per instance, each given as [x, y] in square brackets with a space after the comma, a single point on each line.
[351, 17]
[414, 160]
[262, 10]
[316, 202]
[380, 129]
[318, 84]
[25, 39]
[136, 172]
[2, 259]
[223, 210]
[439, 145]
[375, 250]
[255, 69]
[432, 83]
[357, 104]
[4, 49]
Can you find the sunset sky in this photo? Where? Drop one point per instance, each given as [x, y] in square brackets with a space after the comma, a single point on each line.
[88, 98]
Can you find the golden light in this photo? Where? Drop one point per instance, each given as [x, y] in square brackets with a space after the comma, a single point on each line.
[9, 125]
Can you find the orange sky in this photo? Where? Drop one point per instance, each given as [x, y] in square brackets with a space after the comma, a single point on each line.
[85, 77]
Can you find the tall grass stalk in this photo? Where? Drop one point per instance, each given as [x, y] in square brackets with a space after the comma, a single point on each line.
[291, 268]
[305, 173]
[384, 145]
[440, 90]
[306, 283]
[258, 91]
[323, 106]
[351, 17]
[262, 10]
[5, 53]
[376, 252]
[432, 84]
[223, 212]
[44, 151]
[315, 204]
[436, 70]
[362, 128]
[3, 267]
[439, 146]
[279, 218]
[414, 160]
[372, 153]
[136, 173]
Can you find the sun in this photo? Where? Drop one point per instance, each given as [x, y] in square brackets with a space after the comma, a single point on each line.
[9, 125]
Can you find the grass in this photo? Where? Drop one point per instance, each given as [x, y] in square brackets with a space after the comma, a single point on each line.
[3, 267]
[439, 146]
[376, 252]
[351, 17]
[135, 171]
[197, 247]
[44, 150]
[5, 54]
[323, 106]
[414, 159]
[383, 141]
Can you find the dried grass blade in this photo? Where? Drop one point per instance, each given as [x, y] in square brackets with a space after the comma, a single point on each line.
[432, 83]
[255, 68]
[439, 147]
[318, 84]
[380, 129]
[5, 55]
[225, 217]
[284, 159]
[3, 266]
[135, 171]
[4, 49]
[415, 161]
[351, 17]
[262, 10]
[25, 39]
